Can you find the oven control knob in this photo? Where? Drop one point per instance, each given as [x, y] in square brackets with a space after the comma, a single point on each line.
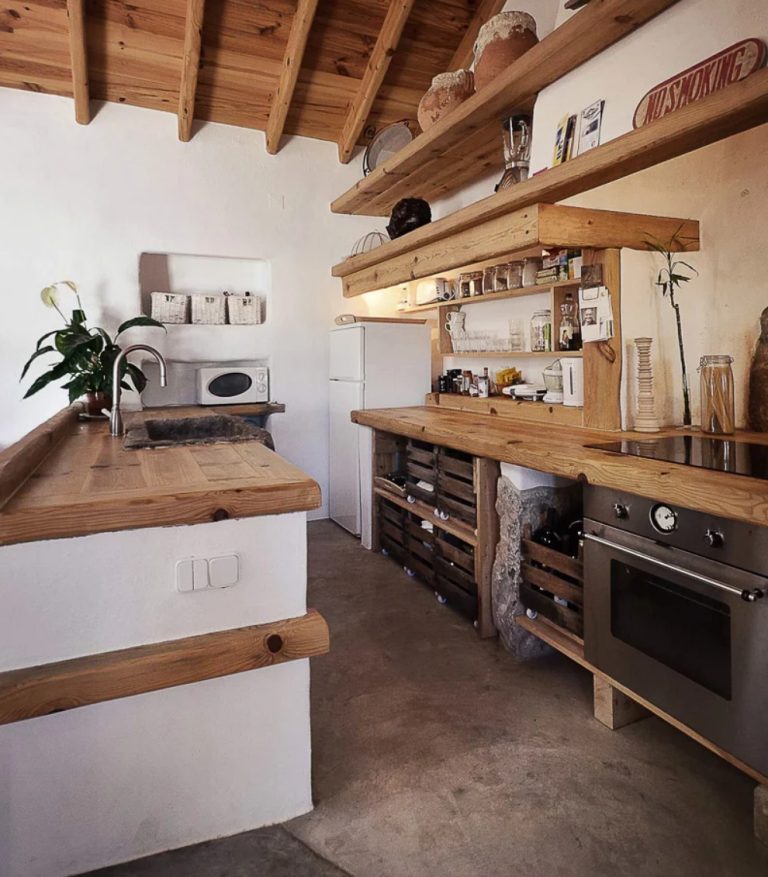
[621, 511]
[714, 538]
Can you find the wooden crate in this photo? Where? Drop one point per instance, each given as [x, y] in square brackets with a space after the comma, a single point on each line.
[547, 574]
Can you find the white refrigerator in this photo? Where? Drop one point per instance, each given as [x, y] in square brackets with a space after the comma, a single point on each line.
[373, 365]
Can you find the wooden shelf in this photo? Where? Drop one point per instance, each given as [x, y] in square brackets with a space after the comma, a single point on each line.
[466, 144]
[515, 354]
[512, 235]
[502, 294]
[512, 409]
[739, 107]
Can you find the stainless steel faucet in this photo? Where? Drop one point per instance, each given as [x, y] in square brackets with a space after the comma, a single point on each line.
[115, 418]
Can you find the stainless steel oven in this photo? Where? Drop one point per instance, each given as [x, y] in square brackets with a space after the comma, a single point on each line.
[674, 610]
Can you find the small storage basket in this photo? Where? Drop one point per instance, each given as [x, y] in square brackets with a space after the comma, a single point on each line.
[208, 309]
[169, 307]
[245, 310]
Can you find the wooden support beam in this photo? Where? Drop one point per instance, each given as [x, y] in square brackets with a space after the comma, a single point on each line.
[464, 54]
[79, 57]
[375, 71]
[51, 688]
[193, 37]
[289, 75]
[613, 708]
[761, 813]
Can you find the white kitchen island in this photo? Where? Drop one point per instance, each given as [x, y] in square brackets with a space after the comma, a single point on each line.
[121, 778]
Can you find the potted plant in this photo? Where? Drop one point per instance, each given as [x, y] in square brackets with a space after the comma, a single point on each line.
[87, 355]
[670, 281]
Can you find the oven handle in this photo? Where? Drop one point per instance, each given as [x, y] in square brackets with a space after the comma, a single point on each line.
[750, 596]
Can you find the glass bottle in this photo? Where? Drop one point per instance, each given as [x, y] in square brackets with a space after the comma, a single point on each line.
[717, 397]
[484, 384]
[570, 331]
[541, 331]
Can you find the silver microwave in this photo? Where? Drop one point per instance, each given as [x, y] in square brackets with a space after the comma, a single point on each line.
[226, 385]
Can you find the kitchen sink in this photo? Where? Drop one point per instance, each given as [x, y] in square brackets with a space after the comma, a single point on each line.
[166, 432]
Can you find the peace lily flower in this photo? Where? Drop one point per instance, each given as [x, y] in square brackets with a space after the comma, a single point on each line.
[87, 354]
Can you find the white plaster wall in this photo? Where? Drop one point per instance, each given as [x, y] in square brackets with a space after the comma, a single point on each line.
[122, 779]
[83, 202]
[725, 186]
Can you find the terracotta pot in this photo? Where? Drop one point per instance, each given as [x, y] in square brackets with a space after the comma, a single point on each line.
[95, 403]
[447, 91]
[501, 41]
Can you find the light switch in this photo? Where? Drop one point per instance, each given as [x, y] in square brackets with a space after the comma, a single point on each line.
[184, 580]
[224, 571]
[199, 574]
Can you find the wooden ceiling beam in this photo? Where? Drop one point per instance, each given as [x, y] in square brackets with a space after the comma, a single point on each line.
[464, 54]
[193, 38]
[289, 75]
[78, 54]
[375, 71]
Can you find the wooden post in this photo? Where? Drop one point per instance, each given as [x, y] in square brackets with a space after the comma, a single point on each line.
[614, 709]
[486, 483]
[602, 359]
[761, 813]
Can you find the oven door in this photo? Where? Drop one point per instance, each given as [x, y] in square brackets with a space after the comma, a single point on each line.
[674, 628]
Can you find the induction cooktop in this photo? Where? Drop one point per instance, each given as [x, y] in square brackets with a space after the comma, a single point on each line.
[721, 455]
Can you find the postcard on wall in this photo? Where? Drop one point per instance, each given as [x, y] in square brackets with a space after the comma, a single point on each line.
[596, 313]
[590, 120]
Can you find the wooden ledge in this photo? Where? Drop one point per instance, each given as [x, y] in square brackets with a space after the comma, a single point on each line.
[64, 685]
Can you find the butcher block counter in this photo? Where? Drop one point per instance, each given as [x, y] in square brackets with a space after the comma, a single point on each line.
[71, 478]
[563, 451]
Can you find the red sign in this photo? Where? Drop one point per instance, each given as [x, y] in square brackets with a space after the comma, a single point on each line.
[726, 67]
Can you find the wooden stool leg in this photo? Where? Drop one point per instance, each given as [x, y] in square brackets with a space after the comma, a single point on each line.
[613, 708]
[761, 813]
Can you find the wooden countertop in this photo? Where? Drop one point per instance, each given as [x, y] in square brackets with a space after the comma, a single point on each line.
[561, 450]
[71, 478]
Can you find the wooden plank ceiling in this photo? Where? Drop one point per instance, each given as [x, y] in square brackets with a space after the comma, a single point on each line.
[144, 53]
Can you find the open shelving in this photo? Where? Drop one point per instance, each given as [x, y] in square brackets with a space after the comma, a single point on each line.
[466, 144]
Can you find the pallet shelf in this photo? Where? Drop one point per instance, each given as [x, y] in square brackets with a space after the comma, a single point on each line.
[512, 409]
[466, 144]
[741, 106]
[514, 354]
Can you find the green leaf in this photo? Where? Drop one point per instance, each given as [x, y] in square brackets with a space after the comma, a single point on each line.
[78, 317]
[139, 321]
[39, 352]
[58, 371]
[138, 377]
[47, 335]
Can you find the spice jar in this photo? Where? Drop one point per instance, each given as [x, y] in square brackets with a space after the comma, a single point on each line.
[531, 268]
[541, 331]
[717, 399]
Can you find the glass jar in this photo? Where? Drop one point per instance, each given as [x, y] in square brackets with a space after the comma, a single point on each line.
[531, 268]
[717, 399]
[489, 279]
[570, 331]
[515, 275]
[541, 331]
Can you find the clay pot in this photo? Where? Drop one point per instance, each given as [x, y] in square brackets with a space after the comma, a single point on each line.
[501, 41]
[95, 403]
[447, 91]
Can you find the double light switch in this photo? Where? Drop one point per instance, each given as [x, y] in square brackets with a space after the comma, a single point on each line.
[200, 573]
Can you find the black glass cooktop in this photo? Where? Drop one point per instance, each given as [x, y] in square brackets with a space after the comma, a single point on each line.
[722, 455]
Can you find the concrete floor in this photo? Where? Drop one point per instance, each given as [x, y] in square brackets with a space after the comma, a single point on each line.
[436, 755]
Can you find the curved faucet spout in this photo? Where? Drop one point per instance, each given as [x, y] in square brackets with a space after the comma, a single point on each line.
[115, 418]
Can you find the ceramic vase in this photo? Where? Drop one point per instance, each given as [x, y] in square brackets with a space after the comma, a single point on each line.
[645, 409]
[447, 91]
[501, 41]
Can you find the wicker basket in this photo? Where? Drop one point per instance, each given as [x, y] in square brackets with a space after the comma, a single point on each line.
[208, 309]
[245, 310]
[169, 307]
